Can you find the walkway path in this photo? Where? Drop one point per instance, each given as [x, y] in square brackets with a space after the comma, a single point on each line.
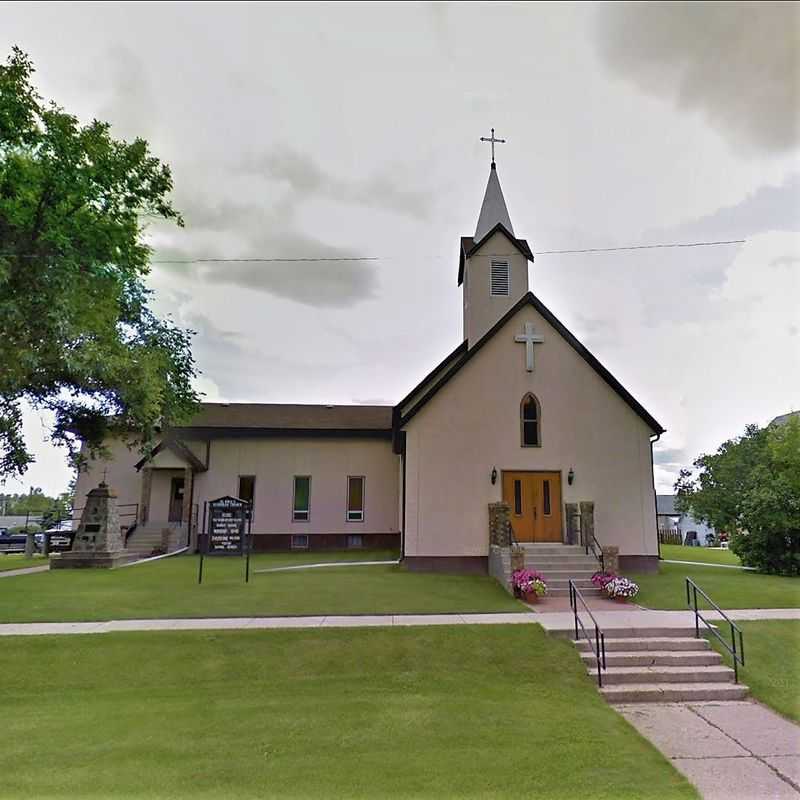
[10, 573]
[737, 750]
[556, 621]
[706, 564]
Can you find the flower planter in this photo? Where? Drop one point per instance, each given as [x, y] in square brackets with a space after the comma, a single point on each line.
[619, 599]
[530, 597]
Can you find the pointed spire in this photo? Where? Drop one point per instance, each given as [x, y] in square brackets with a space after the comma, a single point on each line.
[493, 209]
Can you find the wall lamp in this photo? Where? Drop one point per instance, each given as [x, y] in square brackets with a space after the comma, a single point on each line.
[570, 476]
[494, 475]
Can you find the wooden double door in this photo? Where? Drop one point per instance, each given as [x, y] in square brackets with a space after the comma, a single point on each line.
[535, 502]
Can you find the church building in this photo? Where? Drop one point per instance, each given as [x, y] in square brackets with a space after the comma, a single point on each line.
[519, 412]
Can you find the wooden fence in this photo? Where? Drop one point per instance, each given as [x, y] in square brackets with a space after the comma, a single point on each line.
[670, 536]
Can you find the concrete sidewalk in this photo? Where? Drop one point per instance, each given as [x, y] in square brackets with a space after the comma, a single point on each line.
[738, 750]
[560, 621]
[10, 573]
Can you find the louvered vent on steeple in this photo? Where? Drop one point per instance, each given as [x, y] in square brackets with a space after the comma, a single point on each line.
[501, 279]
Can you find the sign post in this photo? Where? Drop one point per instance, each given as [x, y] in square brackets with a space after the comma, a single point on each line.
[228, 521]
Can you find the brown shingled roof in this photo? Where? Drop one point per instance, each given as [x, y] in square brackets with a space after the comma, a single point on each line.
[278, 416]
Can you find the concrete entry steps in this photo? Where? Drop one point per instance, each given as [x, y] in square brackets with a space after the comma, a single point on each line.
[660, 665]
[557, 562]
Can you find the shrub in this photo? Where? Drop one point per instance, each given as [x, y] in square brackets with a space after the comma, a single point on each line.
[768, 550]
[622, 587]
[526, 581]
[602, 579]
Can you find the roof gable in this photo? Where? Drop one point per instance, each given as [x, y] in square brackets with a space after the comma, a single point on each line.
[470, 246]
[428, 391]
[179, 449]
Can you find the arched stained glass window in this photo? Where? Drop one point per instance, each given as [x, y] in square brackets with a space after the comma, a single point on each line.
[530, 414]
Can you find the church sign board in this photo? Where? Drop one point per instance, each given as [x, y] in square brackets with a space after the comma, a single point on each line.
[227, 531]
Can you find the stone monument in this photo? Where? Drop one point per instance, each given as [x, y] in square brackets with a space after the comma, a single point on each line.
[98, 540]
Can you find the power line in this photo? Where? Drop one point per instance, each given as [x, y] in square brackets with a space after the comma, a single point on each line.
[388, 258]
[273, 260]
[640, 247]
[256, 260]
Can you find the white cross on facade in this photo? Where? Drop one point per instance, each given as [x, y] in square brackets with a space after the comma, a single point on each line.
[529, 338]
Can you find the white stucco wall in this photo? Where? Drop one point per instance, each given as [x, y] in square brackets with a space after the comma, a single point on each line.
[121, 476]
[481, 309]
[275, 462]
[472, 425]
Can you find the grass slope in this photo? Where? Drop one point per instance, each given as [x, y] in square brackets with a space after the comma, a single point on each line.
[168, 588]
[445, 712]
[772, 662]
[18, 561]
[705, 555]
[728, 588]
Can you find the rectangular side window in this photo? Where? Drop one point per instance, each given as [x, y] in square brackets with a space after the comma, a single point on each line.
[354, 541]
[355, 498]
[300, 541]
[518, 497]
[302, 498]
[546, 500]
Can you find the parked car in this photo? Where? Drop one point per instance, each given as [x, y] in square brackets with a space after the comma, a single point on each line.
[11, 542]
[61, 536]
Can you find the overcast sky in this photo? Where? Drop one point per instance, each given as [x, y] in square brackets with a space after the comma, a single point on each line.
[353, 130]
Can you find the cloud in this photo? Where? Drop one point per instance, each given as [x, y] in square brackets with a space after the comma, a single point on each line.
[225, 229]
[669, 456]
[132, 106]
[785, 261]
[306, 178]
[736, 63]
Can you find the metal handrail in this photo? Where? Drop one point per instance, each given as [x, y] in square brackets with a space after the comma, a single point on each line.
[512, 540]
[599, 645]
[738, 655]
[595, 553]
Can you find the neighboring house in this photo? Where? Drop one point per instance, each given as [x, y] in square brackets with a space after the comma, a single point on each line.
[783, 419]
[519, 411]
[669, 518]
[17, 521]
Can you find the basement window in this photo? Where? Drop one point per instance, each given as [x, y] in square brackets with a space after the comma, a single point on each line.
[300, 541]
[500, 283]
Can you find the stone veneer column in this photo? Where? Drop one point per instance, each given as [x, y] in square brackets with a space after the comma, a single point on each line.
[611, 559]
[188, 488]
[587, 522]
[500, 524]
[573, 523]
[144, 500]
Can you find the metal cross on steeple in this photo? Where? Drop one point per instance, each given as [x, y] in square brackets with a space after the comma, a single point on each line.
[492, 140]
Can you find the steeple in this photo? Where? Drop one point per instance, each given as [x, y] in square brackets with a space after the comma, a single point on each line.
[493, 209]
[492, 265]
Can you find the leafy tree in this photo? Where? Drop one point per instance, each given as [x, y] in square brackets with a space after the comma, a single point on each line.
[751, 488]
[77, 336]
[36, 503]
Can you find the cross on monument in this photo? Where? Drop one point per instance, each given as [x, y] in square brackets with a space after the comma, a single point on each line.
[492, 140]
[529, 338]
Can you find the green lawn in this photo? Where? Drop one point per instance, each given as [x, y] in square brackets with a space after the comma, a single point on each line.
[706, 555]
[772, 662]
[442, 712]
[728, 588]
[168, 588]
[18, 561]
